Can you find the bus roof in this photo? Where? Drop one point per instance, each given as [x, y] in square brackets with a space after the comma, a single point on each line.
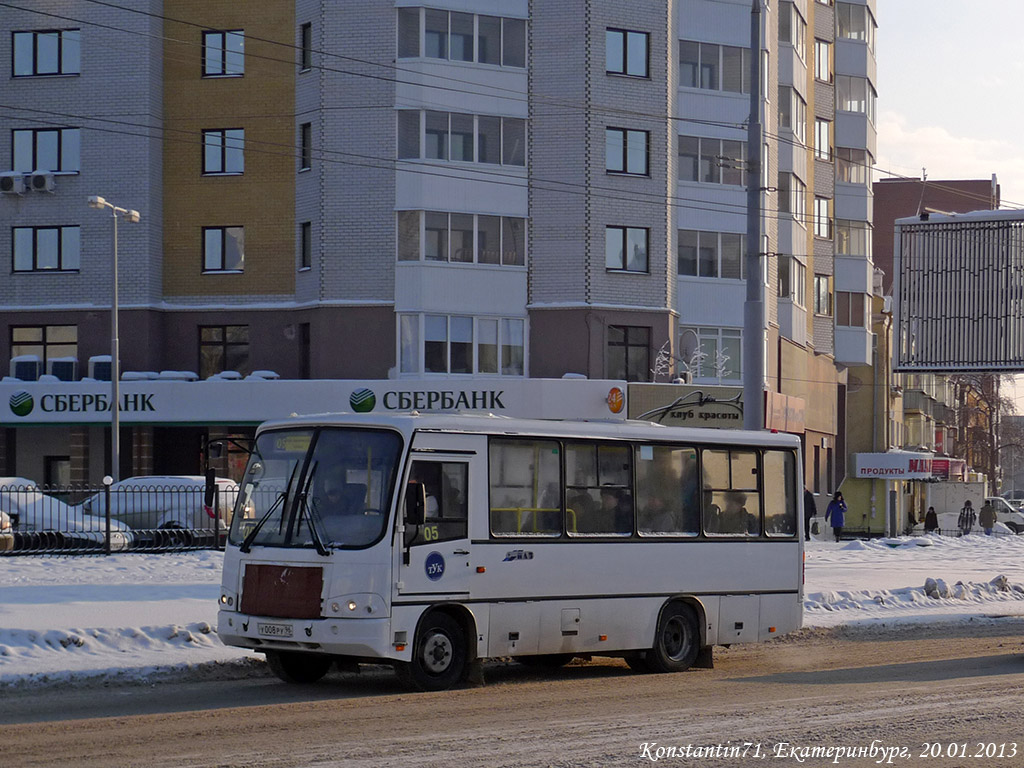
[490, 424]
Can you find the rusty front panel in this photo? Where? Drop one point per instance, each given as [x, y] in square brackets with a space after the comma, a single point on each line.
[284, 591]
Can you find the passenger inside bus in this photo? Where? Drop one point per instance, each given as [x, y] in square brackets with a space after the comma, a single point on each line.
[734, 517]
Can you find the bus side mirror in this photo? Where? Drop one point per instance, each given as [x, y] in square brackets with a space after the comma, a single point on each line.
[211, 488]
[415, 503]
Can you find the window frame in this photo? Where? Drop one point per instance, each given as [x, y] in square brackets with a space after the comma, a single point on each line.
[702, 70]
[822, 217]
[705, 334]
[44, 343]
[305, 245]
[503, 224]
[223, 34]
[35, 33]
[625, 35]
[305, 147]
[223, 229]
[823, 295]
[626, 345]
[509, 125]
[845, 306]
[505, 37]
[624, 135]
[305, 47]
[823, 60]
[411, 352]
[792, 280]
[719, 254]
[224, 345]
[624, 259]
[822, 139]
[36, 166]
[223, 150]
[727, 175]
[36, 269]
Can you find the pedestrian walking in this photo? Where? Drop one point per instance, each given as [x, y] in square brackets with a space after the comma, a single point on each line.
[987, 517]
[836, 513]
[931, 520]
[968, 517]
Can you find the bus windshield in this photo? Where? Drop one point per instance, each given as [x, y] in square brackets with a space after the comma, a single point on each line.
[323, 488]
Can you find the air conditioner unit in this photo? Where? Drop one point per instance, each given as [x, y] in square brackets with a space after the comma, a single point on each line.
[99, 367]
[12, 183]
[64, 368]
[41, 181]
[26, 367]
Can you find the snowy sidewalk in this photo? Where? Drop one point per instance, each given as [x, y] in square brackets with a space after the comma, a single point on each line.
[129, 615]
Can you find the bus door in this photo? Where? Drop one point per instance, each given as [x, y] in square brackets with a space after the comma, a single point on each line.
[435, 555]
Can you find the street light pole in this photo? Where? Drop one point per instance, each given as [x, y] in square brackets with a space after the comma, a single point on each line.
[132, 217]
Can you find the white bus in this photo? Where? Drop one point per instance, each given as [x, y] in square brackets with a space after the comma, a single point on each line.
[433, 541]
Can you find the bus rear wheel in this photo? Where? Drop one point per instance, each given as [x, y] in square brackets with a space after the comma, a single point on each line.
[439, 655]
[677, 641]
[298, 668]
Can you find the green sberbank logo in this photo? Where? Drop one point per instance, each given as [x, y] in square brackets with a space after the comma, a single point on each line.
[22, 403]
[362, 401]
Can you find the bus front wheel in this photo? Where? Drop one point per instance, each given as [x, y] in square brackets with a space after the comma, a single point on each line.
[298, 667]
[677, 641]
[439, 655]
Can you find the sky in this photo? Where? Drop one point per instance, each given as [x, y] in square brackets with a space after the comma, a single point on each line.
[130, 617]
[949, 74]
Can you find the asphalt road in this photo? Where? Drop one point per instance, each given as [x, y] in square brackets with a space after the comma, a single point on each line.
[936, 695]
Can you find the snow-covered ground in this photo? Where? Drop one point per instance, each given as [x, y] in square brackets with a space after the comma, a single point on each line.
[129, 616]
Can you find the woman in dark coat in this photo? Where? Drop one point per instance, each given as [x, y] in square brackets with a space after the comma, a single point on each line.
[931, 520]
[836, 513]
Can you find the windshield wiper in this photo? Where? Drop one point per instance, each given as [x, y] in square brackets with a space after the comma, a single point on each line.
[312, 515]
[247, 542]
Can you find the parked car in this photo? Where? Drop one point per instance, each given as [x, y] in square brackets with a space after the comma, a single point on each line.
[166, 501]
[1007, 514]
[41, 521]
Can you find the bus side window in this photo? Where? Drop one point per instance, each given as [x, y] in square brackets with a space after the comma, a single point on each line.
[667, 491]
[525, 482]
[731, 493]
[779, 483]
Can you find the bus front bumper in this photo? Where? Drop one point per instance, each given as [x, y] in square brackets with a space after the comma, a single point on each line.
[365, 638]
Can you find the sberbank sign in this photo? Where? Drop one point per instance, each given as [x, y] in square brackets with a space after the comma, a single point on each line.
[364, 400]
[22, 403]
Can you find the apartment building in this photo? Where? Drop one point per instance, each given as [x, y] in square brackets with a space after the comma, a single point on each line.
[490, 188]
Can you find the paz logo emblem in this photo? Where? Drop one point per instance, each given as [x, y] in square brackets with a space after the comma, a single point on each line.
[22, 403]
[362, 400]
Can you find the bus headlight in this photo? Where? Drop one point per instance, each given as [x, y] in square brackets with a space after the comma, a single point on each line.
[227, 599]
[358, 606]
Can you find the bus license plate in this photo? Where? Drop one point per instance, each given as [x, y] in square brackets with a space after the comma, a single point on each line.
[274, 630]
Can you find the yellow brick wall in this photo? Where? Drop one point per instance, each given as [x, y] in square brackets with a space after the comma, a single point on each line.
[262, 102]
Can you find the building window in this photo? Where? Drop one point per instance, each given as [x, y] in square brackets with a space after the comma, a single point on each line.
[855, 22]
[711, 254]
[306, 47]
[626, 249]
[459, 137]
[710, 355]
[714, 67]
[855, 94]
[851, 309]
[626, 151]
[458, 344]
[822, 218]
[223, 348]
[47, 149]
[47, 52]
[461, 238]
[223, 249]
[626, 52]
[223, 151]
[792, 28]
[853, 238]
[822, 295]
[305, 245]
[629, 352]
[853, 166]
[823, 60]
[463, 37]
[793, 112]
[793, 197]
[47, 249]
[792, 280]
[822, 139]
[224, 53]
[305, 146]
[44, 341]
[711, 161]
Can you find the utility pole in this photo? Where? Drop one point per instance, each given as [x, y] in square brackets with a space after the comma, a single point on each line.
[753, 308]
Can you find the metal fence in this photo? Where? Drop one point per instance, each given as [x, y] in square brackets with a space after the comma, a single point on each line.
[130, 516]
